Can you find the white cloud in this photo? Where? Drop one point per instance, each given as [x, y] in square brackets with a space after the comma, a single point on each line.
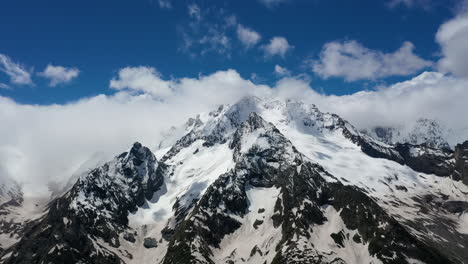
[352, 61]
[281, 71]
[59, 74]
[17, 73]
[4, 86]
[165, 4]
[277, 46]
[247, 36]
[142, 79]
[50, 142]
[453, 39]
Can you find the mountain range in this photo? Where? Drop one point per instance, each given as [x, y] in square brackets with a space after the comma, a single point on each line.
[264, 180]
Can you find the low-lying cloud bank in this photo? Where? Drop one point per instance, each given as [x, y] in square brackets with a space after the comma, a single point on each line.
[44, 143]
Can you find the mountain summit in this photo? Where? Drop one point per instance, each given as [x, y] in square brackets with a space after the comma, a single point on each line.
[264, 180]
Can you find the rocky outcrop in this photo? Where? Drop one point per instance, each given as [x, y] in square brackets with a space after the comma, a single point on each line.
[461, 163]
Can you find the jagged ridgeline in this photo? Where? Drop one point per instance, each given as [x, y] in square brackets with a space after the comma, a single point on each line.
[261, 181]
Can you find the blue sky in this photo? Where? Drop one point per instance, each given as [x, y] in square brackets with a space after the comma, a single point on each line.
[100, 37]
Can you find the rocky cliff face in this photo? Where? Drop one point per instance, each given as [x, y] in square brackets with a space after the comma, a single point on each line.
[261, 181]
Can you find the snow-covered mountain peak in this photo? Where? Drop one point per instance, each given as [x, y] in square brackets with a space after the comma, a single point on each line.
[425, 131]
[289, 112]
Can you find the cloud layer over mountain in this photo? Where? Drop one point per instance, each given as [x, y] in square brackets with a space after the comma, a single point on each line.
[42, 143]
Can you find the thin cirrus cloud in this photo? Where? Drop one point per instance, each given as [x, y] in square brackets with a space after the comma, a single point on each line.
[278, 46]
[247, 36]
[272, 3]
[352, 61]
[165, 4]
[425, 4]
[194, 11]
[206, 31]
[17, 73]
[59, 74]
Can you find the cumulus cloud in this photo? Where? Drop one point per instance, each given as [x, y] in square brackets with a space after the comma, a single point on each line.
[59, 74]
[453, 39]
[278, 46]
[142, 79]
[247, 36]
[352, 61]
[281, 71]
[17, 73]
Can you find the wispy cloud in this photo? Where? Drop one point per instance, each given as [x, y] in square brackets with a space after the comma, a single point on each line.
[281, 71]
[425, 4]
[272, 3]
[207, 31]
[18, 74]
[194, 11]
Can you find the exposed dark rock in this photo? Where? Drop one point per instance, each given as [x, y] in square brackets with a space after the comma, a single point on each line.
[257, 223]
[338, 238]
[456, 207]
[427, 160]
[150, 242]
[129, 237]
